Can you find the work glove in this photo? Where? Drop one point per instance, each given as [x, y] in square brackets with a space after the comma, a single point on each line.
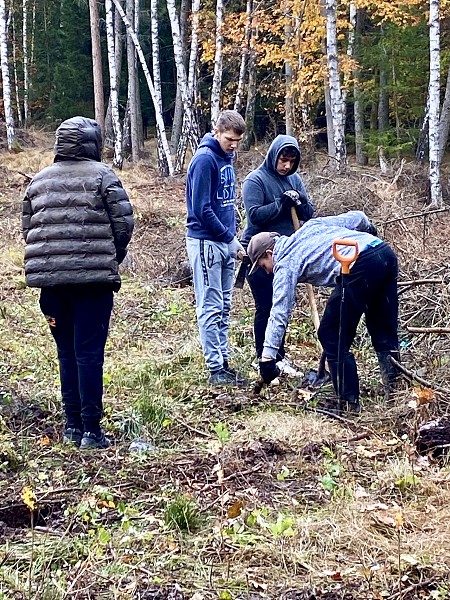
[293, 198]
[372, 229]
[234, 247]
[268, 370]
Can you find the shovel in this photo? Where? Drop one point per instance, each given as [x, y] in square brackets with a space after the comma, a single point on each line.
[346, 262]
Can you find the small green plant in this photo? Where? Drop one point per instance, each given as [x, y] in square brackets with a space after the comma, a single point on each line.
[222, 432]
[182, 514]
[153, 415]
[283, 474]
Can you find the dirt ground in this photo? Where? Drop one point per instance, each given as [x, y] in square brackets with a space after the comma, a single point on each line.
[234, 497]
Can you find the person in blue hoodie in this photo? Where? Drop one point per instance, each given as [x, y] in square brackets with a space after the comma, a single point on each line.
[370, 289]
[212, 245]
[269, 192]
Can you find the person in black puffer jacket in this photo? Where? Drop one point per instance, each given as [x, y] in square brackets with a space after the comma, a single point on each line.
[77, 223]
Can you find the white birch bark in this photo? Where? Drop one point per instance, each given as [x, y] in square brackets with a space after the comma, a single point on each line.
[114, 96]
[97, 73]
[132, 83]
[218, 62]
[158, 115]
[239, 99]
[337, 103]
[190, 128]
[444, 120]
[177, 123]
[162, 162]
[26, 112]
[193, 53]
[6, 84]
[434, 86]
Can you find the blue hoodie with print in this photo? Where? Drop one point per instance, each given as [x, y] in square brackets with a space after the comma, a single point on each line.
[262, 190]
[210, 193]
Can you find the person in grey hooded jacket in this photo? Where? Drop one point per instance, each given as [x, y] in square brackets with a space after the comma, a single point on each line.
[370, 289]
[269, 192]
[77, 223]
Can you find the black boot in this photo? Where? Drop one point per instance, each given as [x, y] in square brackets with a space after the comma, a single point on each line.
[389, 373]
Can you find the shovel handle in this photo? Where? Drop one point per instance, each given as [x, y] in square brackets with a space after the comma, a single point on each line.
[345, 261]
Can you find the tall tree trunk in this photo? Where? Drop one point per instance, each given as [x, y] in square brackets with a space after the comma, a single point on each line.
[193, 53]
[444, 120]
[356, 18]
[114, 96]
[16, 76]
[9, 118]
[132, 83]
[162, 138]
[109, 129]
[337, 102]
[383, 101]
[97, 72]
[288, 79]
[178, 113]
[162, 159]
[26, 83]
[435, 62]
[422, 142]
[218, 61]
[189, 132]
[251, 101]
[239, 99]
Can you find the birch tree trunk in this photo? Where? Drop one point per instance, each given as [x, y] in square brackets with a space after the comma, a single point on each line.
[97, 72]
[132, 83]
[6, 85]
[434, 86]
[26, 112]
[218, 61]
[162, 138]
[109, 129]
[193, 53]
[162, 161]
[114, 97]
[189, 132]
[444, 120]
[178, 113]
[337, 103]
[239, 99]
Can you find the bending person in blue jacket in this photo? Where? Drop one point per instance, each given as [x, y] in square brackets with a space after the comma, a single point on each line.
[211, 240]
[269, 192]
[371, 289]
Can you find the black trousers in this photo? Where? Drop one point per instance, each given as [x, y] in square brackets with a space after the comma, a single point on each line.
[370, 289]
[79, 319]
[261, 285]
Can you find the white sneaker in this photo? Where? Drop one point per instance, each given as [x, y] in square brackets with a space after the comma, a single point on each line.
[286, 368]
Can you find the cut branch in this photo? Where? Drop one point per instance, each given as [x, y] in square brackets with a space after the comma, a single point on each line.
[411, 375]
[428, 329]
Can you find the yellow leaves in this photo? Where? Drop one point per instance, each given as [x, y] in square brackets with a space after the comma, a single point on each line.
[420, 397]
[235, 509]
[28, 497]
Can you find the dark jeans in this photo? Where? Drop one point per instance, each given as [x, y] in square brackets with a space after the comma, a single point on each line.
[261, 285]
[79, 319]
[370, 289]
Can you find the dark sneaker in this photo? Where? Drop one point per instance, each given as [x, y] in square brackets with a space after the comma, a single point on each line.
[91, 441]
[73, 436]
[222, 377]
[240, 380]
[351, 407]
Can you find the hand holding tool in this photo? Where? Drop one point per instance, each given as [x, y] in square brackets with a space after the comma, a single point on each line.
[235, 247]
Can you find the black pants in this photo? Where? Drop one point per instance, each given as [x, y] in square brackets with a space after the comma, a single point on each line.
[370, 289]
[79, 319]
[261, 285]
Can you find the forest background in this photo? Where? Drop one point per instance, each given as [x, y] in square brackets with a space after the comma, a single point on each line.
[361, 77]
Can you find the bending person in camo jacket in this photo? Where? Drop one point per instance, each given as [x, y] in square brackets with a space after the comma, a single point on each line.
[77, 223]
[371, 289]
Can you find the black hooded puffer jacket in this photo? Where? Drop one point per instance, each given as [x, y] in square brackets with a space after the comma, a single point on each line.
[77, 219]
